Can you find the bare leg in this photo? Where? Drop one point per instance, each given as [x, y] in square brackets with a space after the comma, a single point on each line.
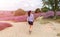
[30, 29]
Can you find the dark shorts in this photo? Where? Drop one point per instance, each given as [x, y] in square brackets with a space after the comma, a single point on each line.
[30, 23]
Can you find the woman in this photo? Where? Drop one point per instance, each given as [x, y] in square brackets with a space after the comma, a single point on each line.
[30, 20]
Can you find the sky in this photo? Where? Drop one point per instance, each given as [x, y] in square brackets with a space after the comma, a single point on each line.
[22, 4]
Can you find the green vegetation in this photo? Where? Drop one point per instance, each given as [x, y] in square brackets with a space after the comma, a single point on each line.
[37, 10]
[58, 17]
[44, 9]
[52, 4]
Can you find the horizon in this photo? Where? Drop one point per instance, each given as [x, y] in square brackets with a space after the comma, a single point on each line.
[12, 5]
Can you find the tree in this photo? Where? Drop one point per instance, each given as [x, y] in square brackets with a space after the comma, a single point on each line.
[37, 10]
[44, 9]
[53, 4]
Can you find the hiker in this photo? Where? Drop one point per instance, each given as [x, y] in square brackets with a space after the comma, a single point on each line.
[30, 20]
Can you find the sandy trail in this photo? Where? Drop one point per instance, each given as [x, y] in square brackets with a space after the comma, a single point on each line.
[20, 29]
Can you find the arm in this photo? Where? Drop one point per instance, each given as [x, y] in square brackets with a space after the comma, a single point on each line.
[33, 18]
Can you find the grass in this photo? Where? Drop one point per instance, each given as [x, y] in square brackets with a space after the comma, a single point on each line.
[42, 21]
[57, 20]
[45, 21]
[58, 34]
[58, 17]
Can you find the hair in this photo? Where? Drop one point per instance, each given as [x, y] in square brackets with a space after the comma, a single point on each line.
[29, 13]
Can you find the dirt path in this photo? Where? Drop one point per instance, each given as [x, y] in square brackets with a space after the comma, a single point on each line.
[20, 29]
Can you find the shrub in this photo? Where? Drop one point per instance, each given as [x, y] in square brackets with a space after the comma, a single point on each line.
[58, 17]
[37, 10]
[51, 17]
[44, 9]
[19, 12]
